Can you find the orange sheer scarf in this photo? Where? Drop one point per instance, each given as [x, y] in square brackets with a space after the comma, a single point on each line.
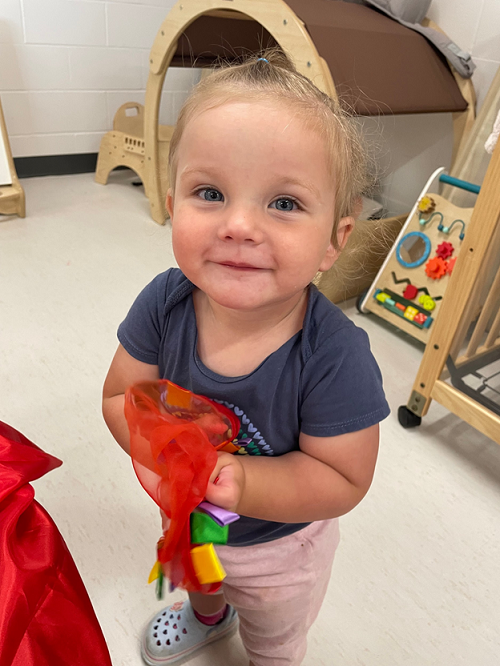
[174, 439]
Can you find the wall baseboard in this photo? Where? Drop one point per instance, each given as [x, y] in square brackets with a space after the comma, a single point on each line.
[55, 165]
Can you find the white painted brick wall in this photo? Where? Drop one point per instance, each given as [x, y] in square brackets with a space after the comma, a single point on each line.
[475, 26]
[134, 26]
[67, 65]
[413, 146]
[63, 22]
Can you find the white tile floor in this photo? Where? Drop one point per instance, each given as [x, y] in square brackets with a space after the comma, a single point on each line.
[416, 581]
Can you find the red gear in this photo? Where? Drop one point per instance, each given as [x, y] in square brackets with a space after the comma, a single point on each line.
[445, 250]
[435, 268]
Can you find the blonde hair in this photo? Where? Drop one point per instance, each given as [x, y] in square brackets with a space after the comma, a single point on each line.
[274, 77]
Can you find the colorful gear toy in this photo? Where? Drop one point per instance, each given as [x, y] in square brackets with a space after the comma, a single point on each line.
[445, 250]
[426, 205]
[436, 268]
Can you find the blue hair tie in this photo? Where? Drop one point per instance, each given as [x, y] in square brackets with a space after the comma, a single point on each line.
[264, 59]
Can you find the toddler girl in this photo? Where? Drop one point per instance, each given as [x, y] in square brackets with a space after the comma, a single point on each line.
[266, 174]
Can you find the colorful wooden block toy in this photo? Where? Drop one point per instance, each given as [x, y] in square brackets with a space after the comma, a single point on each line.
[205, 530]
[206, 564]
[382, 296]
[221, 516]
[410, 313]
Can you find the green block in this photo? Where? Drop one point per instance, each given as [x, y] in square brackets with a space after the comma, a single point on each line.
[205, 530]
[159, 585]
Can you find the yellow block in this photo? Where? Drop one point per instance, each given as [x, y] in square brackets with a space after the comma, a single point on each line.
[410, 313]
[155, 572]
[382, 296]
[206, 564]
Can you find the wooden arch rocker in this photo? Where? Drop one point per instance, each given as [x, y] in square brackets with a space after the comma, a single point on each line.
[139, 142]
[189, 33]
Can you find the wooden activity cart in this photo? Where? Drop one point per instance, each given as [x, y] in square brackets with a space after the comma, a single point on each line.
[411, 283]
[465, 337]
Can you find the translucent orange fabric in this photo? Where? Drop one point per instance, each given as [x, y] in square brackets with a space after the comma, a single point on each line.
[174, 438]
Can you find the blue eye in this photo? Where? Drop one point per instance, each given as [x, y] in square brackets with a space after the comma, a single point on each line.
[285, 204]
[210, 194]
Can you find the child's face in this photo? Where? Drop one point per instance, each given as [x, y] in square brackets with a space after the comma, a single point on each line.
[253, 209]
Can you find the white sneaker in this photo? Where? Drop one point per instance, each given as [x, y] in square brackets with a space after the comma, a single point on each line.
[174, 635]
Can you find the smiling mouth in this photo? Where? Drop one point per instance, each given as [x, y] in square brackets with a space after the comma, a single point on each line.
[239, 267]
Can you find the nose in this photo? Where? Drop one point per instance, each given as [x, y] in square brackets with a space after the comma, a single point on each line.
[241, 224]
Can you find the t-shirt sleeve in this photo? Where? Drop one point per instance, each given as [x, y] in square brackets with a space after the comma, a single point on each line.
[141, 330]
[342, 386]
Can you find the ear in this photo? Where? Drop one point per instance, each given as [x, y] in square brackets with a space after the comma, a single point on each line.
[169, 203]
[344, 230]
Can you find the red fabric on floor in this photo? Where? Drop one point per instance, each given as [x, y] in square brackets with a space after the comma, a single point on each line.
[46, 617]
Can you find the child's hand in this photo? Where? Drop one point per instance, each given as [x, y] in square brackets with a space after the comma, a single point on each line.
[227, 482]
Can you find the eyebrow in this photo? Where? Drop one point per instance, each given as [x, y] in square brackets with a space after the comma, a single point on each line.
[287, 180]
[192, 171]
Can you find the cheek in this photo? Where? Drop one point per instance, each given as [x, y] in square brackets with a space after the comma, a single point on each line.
[189, 242]
[181, 242]
[309, 245]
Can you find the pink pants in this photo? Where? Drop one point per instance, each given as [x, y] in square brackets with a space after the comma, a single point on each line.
[277, 589]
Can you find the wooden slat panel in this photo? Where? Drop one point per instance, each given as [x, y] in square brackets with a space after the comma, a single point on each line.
[493, 332]
[468, 410]
[482, 351]
[489, 308]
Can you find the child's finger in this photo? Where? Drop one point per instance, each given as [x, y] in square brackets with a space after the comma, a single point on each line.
[221, 496]
[216, 473]
[223, 459]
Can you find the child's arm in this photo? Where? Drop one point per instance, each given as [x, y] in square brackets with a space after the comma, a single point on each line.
[124, 371]
[328, 477]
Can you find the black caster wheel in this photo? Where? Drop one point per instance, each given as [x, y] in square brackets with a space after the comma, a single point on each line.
[407, 418]
[359, 300]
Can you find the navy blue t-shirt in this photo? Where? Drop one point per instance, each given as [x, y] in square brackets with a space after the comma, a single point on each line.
[324, 381]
